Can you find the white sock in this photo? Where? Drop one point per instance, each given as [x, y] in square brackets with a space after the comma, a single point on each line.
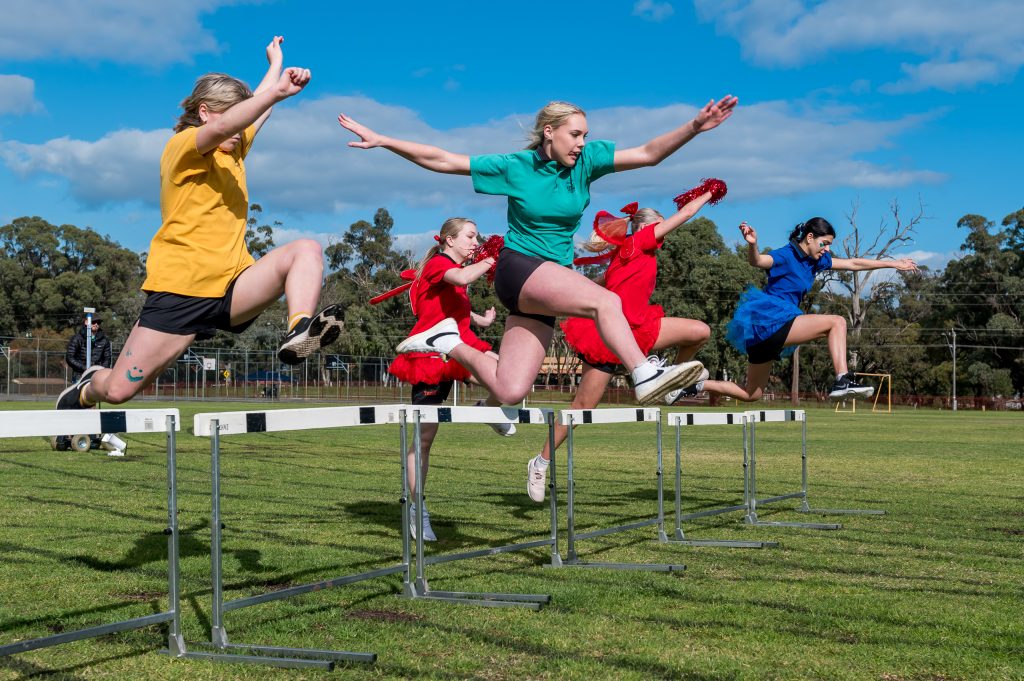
[642, 372]
[541, 462]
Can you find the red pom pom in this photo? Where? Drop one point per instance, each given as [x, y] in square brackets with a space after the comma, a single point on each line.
[488, 249]
[715, 186]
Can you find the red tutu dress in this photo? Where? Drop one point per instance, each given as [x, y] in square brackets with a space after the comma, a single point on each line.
[632, 273]
[432, 300]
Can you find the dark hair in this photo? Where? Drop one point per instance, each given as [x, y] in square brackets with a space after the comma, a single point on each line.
[815, 226]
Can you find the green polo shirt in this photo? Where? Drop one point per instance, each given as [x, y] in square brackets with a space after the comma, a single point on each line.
[545, 199]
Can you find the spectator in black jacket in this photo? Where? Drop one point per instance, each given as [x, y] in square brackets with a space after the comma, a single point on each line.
[101, 349]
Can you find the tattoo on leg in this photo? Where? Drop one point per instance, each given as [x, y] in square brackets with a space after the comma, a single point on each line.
[132, 377]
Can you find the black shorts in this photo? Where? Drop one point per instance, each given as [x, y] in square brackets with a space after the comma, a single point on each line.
[770, 349]
[606, 367]
[514, 268]
[431, 393]
[184, 315]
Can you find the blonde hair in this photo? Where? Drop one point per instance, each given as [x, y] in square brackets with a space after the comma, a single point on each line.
[643, 216]
[554, 114]
[218, 91]
[452, 227]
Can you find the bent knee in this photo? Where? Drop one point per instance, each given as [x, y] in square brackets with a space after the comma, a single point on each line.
[752, 395]
[702, 332]
[119, 392]
[838, 322]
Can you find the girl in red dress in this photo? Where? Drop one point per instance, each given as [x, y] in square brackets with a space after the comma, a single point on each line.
[438, 292]
[631, 273]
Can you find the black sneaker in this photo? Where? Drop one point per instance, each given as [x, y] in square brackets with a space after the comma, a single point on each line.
[311, 334]
[847, 386]
[70, 398]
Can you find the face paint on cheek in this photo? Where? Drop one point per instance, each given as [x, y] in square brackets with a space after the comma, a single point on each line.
[132, 377]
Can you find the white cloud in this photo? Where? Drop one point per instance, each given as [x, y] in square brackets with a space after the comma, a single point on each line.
[301, 162]
[17, 95]
[652, 10]
[959, 43]
[123, 31]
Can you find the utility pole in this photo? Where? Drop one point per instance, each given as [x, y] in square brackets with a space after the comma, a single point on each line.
[954, 370]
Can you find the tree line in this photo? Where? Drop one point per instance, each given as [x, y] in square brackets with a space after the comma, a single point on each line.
[901, 326]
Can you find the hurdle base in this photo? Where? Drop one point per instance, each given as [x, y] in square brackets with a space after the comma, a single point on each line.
[274, 656]
[480, 598]
[645, 567]
[755, 522]
[842, 511]
[680, 539]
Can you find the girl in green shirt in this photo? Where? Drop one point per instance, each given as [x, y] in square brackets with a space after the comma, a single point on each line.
[548, 188]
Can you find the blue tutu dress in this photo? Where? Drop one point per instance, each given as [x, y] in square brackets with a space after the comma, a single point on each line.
[761, 313]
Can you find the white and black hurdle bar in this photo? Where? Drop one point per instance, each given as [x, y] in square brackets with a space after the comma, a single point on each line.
[216, 425]
[49, 423]
[681, 421]
[753, 503]
[483, 415]
[575, 417]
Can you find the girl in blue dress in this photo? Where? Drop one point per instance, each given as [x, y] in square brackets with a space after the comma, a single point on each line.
[768, 324]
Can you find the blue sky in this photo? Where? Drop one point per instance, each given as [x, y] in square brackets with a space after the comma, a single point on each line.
[842, 103]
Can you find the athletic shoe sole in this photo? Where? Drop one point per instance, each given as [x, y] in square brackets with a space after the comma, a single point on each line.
[866, 391]
[680, 376]
[424, 340]
[323, 330]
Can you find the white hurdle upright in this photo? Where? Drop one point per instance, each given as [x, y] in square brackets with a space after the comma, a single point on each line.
[49, 423]
[683, 420]
[753, 503]
[575, 417]
[421, 589]
[214, 426]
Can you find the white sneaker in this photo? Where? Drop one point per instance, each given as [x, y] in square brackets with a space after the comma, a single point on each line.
[502, 429]
[441, 337]
[536, 480]
[692, 391]
[428, 531]
[666, 379]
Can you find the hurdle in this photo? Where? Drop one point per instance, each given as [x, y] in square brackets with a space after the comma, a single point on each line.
[216, 425]
[421, 588]
[753, 502]
[681, 420]
[573, 417]
[49, 423]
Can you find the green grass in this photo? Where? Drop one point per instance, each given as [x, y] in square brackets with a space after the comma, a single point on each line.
[930, 591]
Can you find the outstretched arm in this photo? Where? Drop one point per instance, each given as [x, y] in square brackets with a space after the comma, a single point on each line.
[464, 276]
[224, 125]
[860, 264]
[664, 228]
[275, 59]
[754, 255]
[424, 155]
[658, 149]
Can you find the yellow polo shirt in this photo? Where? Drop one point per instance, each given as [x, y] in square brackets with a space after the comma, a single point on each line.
[200, 247]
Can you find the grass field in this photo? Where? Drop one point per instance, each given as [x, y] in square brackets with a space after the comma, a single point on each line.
[930, 591]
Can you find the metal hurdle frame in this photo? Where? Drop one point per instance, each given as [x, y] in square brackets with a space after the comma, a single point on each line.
[49, 423]
[686, 419]
[574, 417]
[214, 425]
[778, 416]
[420, 589]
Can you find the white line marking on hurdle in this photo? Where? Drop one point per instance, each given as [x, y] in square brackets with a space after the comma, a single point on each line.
[678, 418]
[776, 415]
[637, 415]
[48, 422]
[272, 420]
[435, 414]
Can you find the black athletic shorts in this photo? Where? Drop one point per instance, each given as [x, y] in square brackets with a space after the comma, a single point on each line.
[514, 268]
[184, 315]
[770, 349]
[607, 367]
[431, 393]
